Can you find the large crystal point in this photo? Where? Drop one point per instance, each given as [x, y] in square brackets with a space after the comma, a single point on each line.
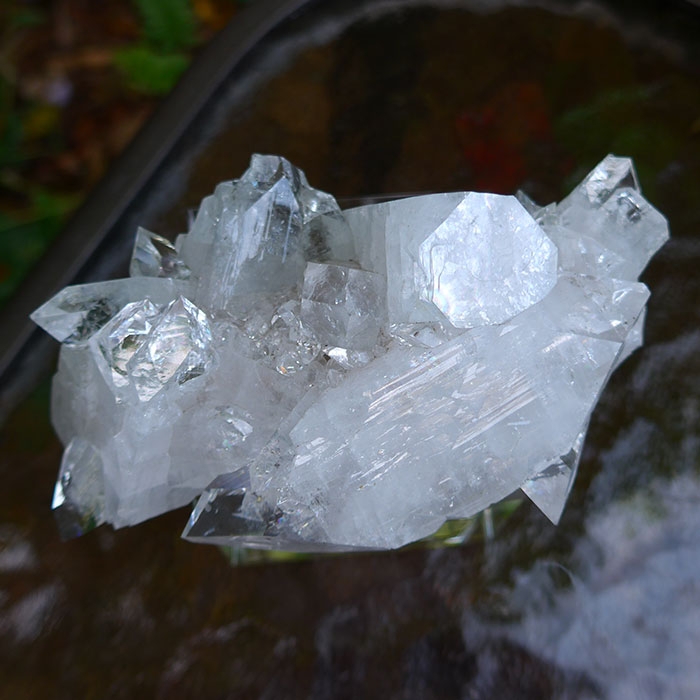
[471, 258]
[326, 380]
[267, 223]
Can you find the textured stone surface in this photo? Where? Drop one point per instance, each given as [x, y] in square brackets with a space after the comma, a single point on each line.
[333, 380]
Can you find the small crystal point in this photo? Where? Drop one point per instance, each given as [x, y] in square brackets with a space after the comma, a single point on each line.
[155, 256]
[611, 174]
[76, 313]
[549, 489]
[218, 513]
[78, 499]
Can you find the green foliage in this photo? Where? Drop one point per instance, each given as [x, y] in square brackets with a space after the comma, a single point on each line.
[26, 234]
[168, 25]
[26, 17]
[169, 30]
[148, 71]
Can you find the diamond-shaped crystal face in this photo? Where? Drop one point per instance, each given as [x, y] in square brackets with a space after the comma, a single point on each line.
[488, 261]
[328, 380]
[119, 339]
[177, 348]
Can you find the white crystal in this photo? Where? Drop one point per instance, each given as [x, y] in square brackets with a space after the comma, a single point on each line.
[443, 433]
[471, 258]
[487, 262]
[330, 380]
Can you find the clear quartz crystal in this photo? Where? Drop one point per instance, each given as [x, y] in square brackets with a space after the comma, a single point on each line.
[178, 347]
[76, 313]
[328, 380]
[119, 339]
[78, 498]
[155, 256]
[343, 306]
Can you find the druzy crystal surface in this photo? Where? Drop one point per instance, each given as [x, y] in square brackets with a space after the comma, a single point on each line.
[326, 380]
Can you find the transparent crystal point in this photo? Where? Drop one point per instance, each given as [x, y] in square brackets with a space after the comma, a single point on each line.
[155, 256]
[260, 230]
[218, 514]
[78, 499]
[343, 306]
[75, 313]
[119, 339]
[612, 173]
[609, 208]
[177, 348]
[549, 489]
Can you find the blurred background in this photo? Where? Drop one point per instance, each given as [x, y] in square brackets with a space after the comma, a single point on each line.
[77, 82]
[368, 97]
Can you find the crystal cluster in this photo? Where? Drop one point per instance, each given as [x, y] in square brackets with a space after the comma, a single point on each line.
[325, 379]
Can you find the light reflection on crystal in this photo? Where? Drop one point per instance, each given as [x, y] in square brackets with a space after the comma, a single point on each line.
[177, 347]
[119, 339]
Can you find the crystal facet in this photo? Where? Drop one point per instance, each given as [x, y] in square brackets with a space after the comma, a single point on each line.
[155, 256]
[328, 380]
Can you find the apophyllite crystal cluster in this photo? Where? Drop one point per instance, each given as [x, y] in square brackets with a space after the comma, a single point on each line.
[325, 379]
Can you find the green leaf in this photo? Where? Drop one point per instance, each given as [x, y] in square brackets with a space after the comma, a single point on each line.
[150, 72]
[168, 25]
[26, 17]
